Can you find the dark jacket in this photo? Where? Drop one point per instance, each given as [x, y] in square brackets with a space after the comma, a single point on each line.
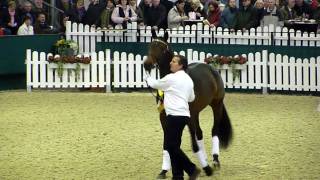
[246, 18]
[156, 16]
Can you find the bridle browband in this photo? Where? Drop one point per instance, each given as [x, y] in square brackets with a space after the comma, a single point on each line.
[162, 42]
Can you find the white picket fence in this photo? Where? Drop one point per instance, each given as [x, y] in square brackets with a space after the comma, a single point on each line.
[42, 74]
[263, 70]
[87, 37]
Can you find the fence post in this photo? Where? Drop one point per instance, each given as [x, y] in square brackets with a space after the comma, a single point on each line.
[108, 70]
[28, 64]
[265, 79]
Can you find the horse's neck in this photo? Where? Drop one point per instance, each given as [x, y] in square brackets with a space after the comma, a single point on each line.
[165, 67]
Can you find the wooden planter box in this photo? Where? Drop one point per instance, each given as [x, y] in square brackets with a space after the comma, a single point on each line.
[68, 66]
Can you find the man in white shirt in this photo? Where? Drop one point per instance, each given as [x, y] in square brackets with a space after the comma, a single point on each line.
[26, 28]
[178, 90]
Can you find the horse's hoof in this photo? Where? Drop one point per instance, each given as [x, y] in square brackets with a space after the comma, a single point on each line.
[208, 170]
[216, 165]
[162, 174]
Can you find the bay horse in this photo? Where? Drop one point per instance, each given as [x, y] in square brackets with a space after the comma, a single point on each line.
[208, 89]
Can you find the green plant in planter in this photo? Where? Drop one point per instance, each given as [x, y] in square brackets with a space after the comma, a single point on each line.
[66, 47]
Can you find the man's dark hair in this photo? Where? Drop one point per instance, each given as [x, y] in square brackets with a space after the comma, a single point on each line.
[183, 61]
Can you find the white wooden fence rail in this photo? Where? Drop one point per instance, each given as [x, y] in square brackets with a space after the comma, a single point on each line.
[263, 70]
[87, 37]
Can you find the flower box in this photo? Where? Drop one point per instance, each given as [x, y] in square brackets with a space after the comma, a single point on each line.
[228, 66]
[68, 66]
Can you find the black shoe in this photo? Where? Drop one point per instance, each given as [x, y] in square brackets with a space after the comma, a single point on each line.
[162, 174]
[208, 170]
[195, 174]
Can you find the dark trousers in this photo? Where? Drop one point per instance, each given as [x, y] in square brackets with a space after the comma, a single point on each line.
[172, 139]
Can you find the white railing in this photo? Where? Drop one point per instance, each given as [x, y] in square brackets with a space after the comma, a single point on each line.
[263, 70]
[268, 35]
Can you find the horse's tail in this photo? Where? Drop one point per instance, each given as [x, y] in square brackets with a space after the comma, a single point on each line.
[225, 129]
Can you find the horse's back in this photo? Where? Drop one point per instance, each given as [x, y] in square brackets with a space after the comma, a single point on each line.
[208, 85]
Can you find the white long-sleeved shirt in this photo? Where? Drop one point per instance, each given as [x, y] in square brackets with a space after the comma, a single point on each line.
[178, 90]
[25, 30]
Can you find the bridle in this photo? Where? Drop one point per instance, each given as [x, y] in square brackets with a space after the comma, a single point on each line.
[156, 65]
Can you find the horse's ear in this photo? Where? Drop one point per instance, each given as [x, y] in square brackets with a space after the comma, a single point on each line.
[153, 32]
[166, 36]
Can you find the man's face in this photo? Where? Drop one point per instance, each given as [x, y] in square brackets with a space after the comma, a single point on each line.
[27, 7]
[155, 2]
[232, 3]
[246, 3]
[174, 65]
[42, 18]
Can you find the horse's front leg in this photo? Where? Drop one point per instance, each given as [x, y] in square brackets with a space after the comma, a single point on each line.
[166, 163]
[198, 144]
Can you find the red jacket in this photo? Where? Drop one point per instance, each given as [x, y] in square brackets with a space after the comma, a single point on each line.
[214, 17]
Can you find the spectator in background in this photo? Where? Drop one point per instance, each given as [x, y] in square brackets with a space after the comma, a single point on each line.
[259, 6]
[105, 18]
[303, 9]
[123, 14]
[246, 17]
[176, 15]
[26, 28]
[10, 18]
[144, 7]
[136, 8]
[271, 14]
[287, 12]
[41, 26]
[27, 11]
[156, 16]
[197, 8]
[93, 13]
[76, 12]
[214, 14]
[228, 14]
[39, 7]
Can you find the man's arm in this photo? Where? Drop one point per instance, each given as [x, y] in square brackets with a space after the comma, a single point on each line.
[161, 84]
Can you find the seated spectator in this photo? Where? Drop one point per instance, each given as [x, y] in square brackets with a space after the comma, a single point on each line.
[197, 8]
[93, 13]
[26, 28]
[27, 11]
[259, 6]
[144, 7]
[41, 26]
[228, 14]
[246, 17]
[105, 17]
[271, 14]
[287, 12]
[123, 14]
[136, 8]
[77, 12]
[39, 7]
[303, 9]
[156, 16]
[214, 14]
[10, 18]
[176, 15]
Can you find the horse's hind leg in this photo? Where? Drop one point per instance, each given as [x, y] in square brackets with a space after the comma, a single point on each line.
[217, 112]
[198, 144]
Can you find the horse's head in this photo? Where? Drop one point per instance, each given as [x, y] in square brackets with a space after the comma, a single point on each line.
[158, 52]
